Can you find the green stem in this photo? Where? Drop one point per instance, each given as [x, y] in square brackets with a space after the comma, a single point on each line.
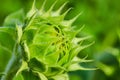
[13, 65]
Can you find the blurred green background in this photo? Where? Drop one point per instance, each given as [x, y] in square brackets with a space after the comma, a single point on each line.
[102, 21]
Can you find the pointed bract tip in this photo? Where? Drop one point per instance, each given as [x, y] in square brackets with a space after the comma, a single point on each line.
[85, 59]
[85, 46]
[61, 8]
[33, 5]
[32, 10]
[51, 8]
[79, 30]
[65, 13]
[71, 21]
[43, 5]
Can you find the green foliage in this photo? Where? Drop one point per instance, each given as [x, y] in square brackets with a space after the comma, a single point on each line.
[101, 18]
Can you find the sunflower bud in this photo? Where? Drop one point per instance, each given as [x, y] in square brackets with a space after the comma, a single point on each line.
[49, 44]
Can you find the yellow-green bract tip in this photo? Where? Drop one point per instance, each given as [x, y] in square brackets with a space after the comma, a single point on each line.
[43, 5]
[71, 21]
[33, 5]
[51, 8]
[85, 46]
[77, 40]
[60, 9]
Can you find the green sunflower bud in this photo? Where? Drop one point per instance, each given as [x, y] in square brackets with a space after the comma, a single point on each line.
[49, 45]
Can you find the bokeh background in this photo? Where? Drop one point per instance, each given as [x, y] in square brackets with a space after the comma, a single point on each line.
[102, 21]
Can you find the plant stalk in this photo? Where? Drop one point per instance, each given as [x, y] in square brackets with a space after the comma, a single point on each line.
[14, 64]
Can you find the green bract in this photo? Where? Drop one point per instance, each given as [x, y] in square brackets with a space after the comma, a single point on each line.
[43, 45]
